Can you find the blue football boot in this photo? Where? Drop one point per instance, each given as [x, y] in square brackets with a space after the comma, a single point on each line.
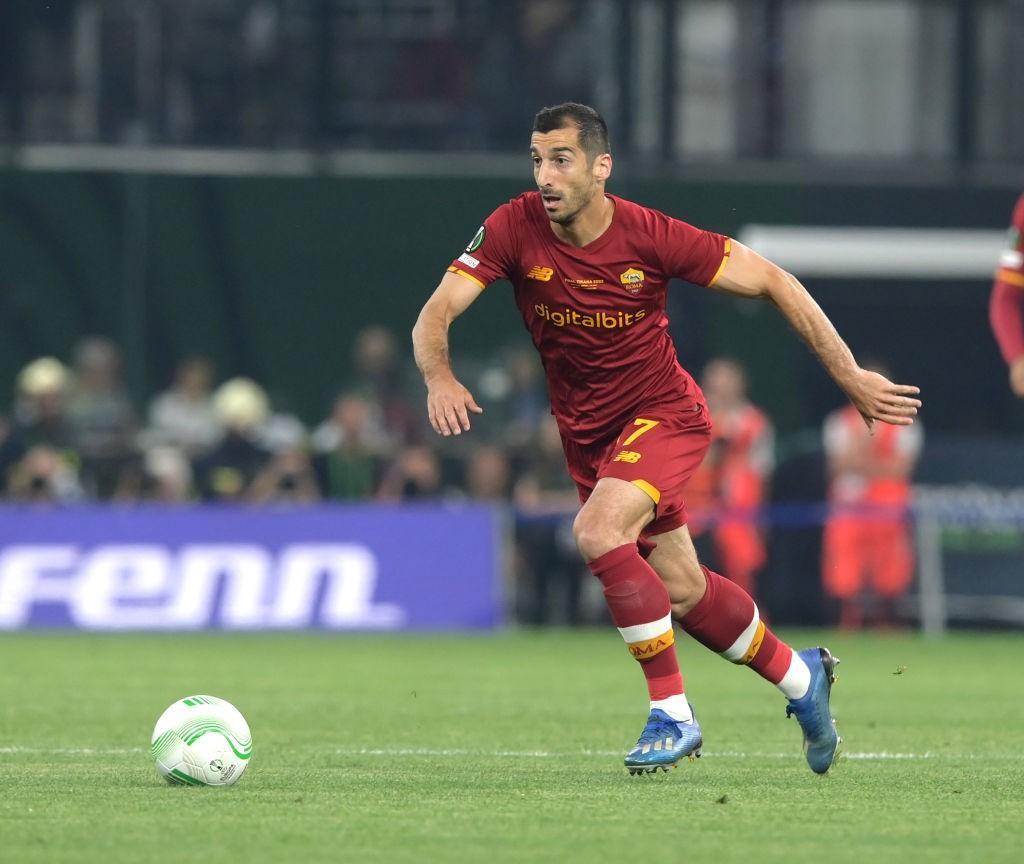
[813, 712]
[663, 743]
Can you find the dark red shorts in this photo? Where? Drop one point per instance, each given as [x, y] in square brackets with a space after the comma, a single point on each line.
[657, 451]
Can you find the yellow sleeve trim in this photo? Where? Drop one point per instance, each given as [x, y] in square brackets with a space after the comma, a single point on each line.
[1011, 276]
[648, 488]
[725, 260]
[469, 276]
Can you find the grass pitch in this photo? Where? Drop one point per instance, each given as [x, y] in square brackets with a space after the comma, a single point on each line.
[505, 748]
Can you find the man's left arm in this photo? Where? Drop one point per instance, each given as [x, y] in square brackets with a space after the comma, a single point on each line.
[747, 274]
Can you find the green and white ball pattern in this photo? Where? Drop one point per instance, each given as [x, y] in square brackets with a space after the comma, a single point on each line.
[201, 741]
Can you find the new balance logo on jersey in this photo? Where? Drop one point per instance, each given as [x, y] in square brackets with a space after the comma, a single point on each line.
[541, 274]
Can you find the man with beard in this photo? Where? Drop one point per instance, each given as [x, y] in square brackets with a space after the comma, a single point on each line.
[590, 272]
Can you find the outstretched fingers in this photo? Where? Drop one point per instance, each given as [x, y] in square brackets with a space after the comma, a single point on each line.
[451, 416]
[897, 404]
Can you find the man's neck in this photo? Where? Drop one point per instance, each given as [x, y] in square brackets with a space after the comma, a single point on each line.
[590, 223]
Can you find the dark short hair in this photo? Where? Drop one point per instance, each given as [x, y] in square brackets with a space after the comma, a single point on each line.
[593, 131]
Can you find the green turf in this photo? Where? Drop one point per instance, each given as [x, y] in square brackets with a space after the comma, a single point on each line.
[506, 748]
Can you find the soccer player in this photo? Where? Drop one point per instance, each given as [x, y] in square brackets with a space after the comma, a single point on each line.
[590, 272]
[1006, 304]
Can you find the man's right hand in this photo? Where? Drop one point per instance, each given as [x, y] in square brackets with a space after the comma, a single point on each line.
[878, 398]
[448, 406]
[1017, 377]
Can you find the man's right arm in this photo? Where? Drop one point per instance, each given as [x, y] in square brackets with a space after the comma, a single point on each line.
[448, 401]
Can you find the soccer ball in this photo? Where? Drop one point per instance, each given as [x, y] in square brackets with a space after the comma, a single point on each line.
[201, 741]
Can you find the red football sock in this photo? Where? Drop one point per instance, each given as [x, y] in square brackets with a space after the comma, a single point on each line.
[640, 607]
[726, 620]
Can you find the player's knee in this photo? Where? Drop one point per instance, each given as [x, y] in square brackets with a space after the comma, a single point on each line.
[595, 535]
[686, 590]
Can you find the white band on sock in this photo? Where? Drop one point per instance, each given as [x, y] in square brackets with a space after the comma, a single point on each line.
[739, 648]
[797, 680]
[643, 632]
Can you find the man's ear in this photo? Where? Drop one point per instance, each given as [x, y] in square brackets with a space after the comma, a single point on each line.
[603, 166]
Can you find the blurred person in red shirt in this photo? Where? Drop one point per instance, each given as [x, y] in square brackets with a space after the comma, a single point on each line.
[1006, 303]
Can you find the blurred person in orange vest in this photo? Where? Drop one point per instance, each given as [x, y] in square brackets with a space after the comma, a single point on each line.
[869, 470]
[733, 475]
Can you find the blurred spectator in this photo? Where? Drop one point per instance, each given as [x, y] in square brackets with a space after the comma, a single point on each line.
[282, 431]
[167, 475]
[9, 451]
[381, 377]
[40, 417]
[288, 477]
[550, 572]
[488, 475]
[183, 416]
[347, 462]
[867, 543]
[225, 473]
[516, 398]
[546, 47]
[733, 476]
[40, 409]
[43, 475]
[101, 416]
[414, 475]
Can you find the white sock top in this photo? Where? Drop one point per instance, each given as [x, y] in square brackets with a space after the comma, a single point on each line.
[675, 706]
[796, 682]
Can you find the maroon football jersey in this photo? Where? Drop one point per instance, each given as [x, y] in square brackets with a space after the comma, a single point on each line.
[597, 313]
[1006, 303]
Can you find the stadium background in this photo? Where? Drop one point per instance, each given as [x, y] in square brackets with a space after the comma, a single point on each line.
[259, 182]
[275, 186]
